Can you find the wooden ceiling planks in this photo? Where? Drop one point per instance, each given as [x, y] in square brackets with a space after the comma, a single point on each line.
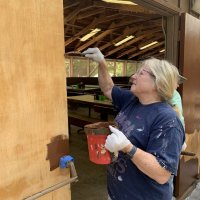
[99, 37]
[146, 50]
[135, 41]
[116, 21]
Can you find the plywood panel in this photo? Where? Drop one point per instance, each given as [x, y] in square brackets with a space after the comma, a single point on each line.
[189, 67]
[60, 194]
[33, 115]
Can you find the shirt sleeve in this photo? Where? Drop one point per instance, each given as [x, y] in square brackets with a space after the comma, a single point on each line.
[165, 144]
[177, 101]
[121, 96]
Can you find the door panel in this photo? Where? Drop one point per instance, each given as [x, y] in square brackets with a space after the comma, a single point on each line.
[33, 111]
[189, 66]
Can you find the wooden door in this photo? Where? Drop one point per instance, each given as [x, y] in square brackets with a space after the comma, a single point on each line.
[190, 68]
[33, 110]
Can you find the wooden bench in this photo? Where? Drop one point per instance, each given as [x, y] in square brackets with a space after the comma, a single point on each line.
[80, 120]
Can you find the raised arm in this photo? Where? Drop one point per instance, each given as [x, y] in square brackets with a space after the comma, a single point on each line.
[105, 81]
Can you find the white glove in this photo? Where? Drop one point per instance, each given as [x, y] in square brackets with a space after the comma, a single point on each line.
[184, 147]
[94, 53]
[116, 141]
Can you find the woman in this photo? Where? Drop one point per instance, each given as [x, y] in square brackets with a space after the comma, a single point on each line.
[150, 135]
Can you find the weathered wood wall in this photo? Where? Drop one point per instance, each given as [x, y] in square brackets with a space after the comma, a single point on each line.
[189, 67]
[33, 113]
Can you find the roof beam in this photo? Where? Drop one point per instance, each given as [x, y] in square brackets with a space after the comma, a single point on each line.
[145, 50]
[70, 5]
[81, 7]
[158, 55]
[149, 54]
[129, 8]
[151, 39]
[90, 14]
[99, 37]
[126, 32]
[92, 25]
[109, 30]
[145, 34]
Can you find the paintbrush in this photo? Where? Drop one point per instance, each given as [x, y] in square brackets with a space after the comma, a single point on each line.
[74, 53]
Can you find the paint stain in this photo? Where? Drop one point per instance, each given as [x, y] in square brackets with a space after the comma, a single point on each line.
[158, 135]
[138, 117]
[56, 149]
[140, 129]
[119, 178]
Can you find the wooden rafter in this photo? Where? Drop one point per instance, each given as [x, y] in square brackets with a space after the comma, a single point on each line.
[100, 36]
[116, 21]
[90, 14]
[82, 6]
[159, 55]
[92, 25]
[145, 50]
[127, 31]
[129, 8]
[70, 5]
[149, 54]
[131, 42]
[83, 31]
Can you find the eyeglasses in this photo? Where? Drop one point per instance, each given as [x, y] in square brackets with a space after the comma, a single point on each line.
[140, 72]
[150, 73]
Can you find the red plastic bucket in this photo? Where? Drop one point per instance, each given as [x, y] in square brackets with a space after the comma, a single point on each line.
[96, 137]
[97, 152]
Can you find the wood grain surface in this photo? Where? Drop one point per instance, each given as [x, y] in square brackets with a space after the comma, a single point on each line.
[32, 97]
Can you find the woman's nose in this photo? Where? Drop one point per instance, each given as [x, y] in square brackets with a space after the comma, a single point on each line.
[132, 78]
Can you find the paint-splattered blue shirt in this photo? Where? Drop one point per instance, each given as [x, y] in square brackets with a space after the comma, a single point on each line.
[154, 128]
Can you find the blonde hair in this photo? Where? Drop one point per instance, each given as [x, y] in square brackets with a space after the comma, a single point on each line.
[166, 77]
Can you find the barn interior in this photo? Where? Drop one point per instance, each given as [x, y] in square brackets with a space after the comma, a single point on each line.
[122, 30]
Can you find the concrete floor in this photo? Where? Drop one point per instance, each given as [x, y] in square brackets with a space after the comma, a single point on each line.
[195, 195]
[92, 177]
